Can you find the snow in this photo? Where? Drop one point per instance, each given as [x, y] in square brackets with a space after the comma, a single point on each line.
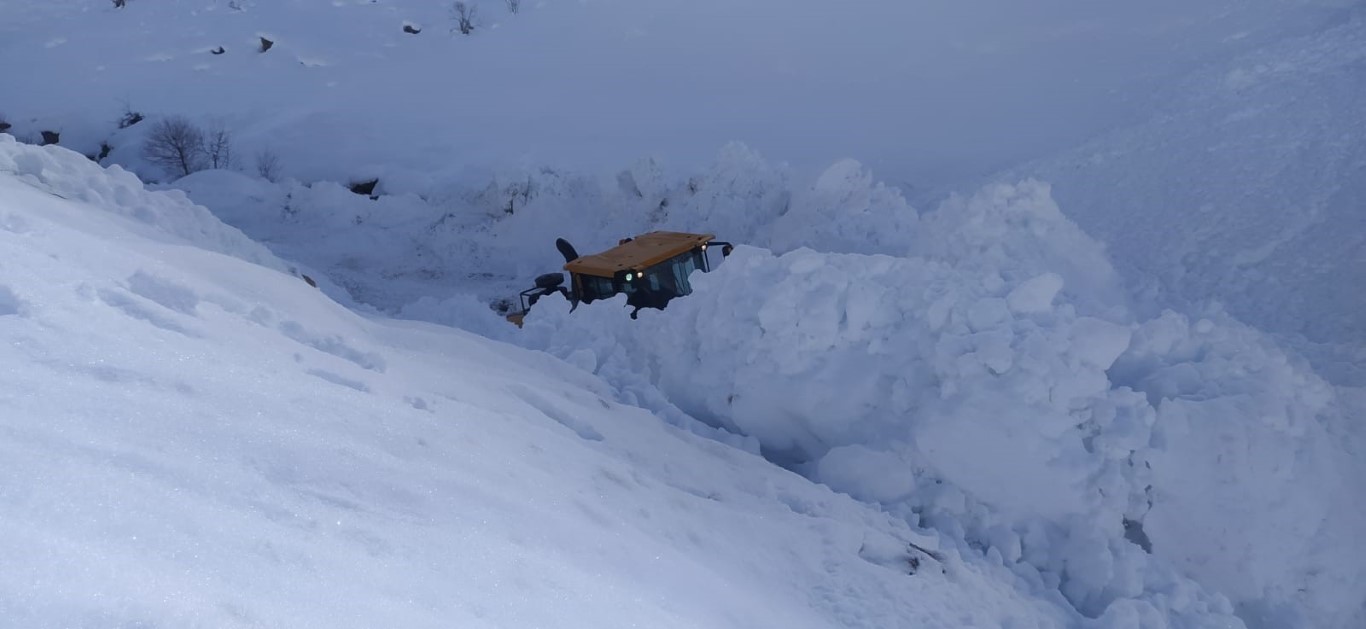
[1082, 315]
[1245, 189]
[932, 92]
[1080, 421]
[194, 438]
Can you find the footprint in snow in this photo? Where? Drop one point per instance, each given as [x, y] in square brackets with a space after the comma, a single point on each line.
[169, 294]
[334, 345]
[10, 304]
[14, 224]
[581, 427]
[129, 305]
[339, 380]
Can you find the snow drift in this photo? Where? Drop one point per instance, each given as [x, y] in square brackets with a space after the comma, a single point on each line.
[993, 377]
[189, 438]
[993, 380]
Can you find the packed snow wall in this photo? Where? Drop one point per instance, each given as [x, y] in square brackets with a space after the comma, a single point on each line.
[978, 369]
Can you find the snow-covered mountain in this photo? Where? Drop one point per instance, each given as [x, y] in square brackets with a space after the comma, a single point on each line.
[1097, 340]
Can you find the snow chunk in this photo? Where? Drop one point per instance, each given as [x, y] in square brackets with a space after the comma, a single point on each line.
[1035, 295]
[1098, 343]
[866, 474]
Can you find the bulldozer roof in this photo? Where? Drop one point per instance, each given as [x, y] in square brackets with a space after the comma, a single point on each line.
[638, 253]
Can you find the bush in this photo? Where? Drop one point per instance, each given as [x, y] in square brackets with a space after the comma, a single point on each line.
[176, 145]
[268, 165]
[129, 117]
[218, 148]
[464, 17]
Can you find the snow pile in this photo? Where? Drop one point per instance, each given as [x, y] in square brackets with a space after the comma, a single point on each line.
[1252, 470]
[168, 216]
[996, 384]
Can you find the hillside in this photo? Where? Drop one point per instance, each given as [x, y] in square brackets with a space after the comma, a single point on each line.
[1066, 292]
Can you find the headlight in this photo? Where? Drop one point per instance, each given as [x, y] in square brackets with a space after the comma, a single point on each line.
[629, 277]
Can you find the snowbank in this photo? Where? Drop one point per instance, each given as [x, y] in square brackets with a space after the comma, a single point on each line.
[168, 216]
[995, 382]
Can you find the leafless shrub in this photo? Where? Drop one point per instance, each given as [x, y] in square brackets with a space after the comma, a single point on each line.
[129, 117]
[268, 165]
[514, 6]
[464, 17]
[119, 4]
[218, 148]
[176, 145]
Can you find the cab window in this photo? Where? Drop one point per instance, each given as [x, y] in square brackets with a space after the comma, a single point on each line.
[593, 287]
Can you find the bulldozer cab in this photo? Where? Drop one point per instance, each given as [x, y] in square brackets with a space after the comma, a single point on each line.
[651, 270]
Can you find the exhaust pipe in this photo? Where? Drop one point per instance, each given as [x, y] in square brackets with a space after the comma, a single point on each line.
[567, 250]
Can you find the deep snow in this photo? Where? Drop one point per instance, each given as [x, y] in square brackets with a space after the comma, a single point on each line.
[1044, 400]
[193, 437]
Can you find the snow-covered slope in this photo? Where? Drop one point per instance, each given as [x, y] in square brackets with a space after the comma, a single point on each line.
[1248, 188]
[1049, 404]
[980, 365]
[923, 92]
[192, 439]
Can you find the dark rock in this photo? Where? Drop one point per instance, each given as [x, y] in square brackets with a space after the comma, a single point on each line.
[365, 188]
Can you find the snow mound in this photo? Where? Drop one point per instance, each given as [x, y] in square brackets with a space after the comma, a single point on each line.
[168, 216]
[995, 383]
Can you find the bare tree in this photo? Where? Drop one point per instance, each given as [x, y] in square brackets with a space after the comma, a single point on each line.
[464, 17]
[177, 145]
[218, 148]
[268, 165]
[514, 6]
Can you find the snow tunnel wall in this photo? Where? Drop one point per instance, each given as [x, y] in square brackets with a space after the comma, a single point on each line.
[990, 379]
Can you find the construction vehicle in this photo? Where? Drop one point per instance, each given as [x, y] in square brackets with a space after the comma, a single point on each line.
[650, 269]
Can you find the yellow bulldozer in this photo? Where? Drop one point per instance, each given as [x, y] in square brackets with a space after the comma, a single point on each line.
[650, 269]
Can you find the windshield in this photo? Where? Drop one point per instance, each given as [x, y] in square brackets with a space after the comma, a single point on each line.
[652, 288]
